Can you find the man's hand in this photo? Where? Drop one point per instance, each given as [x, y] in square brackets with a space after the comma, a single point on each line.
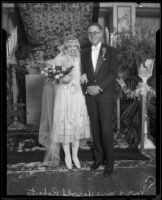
[93, 90]
[84, 79]
[121, 82]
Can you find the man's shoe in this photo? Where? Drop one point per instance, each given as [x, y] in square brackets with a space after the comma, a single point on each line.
[107, 172]
[95, 166]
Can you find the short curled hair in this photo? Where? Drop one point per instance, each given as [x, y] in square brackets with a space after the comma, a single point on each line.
[96, 24]
[67, 41]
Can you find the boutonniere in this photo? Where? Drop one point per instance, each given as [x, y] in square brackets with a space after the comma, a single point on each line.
[103, 53]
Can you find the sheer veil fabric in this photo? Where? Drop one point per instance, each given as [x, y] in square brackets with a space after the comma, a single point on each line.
[46, 121]
[63, 110]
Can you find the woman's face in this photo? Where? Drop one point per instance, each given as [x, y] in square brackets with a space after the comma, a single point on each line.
[72, 49]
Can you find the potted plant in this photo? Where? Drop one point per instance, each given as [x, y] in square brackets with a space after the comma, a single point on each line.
[135, 48]
[16, 111]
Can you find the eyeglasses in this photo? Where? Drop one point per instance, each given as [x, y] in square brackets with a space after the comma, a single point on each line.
[93, 33]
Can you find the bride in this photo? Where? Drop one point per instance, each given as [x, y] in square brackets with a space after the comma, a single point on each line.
[64, 118]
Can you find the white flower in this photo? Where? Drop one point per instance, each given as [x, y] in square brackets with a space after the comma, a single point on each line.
[103, 53]
[143, 91]
[149, 62]
[53, 66]
[60, 75]
[57, 77]
[54, 70]
[63, 68]
[121, 82]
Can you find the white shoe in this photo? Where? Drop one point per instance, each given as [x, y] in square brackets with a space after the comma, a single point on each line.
[68, 162]
[76, 162]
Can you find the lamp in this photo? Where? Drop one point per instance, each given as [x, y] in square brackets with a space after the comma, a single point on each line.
[145, 72]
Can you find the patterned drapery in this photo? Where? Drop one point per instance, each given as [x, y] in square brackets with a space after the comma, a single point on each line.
[48, 23]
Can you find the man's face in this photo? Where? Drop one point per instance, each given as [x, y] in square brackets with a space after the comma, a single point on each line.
[94, 34]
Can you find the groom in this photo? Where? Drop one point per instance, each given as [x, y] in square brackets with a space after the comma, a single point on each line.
[99, 63]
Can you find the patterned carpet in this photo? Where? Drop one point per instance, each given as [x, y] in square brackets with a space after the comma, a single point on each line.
[130, 177]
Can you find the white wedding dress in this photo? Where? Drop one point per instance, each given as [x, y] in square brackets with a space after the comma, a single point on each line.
[70, 121]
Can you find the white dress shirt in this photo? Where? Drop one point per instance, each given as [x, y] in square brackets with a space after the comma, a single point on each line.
[95, 53]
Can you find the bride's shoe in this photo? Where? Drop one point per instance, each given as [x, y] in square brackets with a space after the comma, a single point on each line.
[76, 162]
[68, 162]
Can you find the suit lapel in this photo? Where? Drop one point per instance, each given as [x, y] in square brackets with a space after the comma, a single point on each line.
[89, 60]
[100, 58]
[99, 61]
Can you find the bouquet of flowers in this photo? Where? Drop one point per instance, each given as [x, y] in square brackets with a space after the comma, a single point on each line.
[56, 72]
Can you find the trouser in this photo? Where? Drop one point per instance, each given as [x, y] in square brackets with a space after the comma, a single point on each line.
[101, 127]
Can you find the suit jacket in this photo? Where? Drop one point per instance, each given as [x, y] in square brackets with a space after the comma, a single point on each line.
[105, 73]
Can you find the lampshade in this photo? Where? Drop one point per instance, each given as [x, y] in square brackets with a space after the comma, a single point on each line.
[146, 71]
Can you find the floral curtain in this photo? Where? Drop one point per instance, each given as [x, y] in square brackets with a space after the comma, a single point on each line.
[48, 23]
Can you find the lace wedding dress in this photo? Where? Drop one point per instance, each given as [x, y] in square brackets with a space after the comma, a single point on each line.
[64, 117]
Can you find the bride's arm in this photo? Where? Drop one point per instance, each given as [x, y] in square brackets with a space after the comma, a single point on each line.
[67, 78]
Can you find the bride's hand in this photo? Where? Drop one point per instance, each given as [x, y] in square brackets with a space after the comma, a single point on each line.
[66, 79]
[84, 79]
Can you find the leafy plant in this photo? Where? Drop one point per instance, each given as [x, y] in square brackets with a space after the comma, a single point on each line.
[134, 47]
[15, 110]
[11, 113]
[131, 113]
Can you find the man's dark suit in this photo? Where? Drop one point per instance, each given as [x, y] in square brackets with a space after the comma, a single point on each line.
[100, 107]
